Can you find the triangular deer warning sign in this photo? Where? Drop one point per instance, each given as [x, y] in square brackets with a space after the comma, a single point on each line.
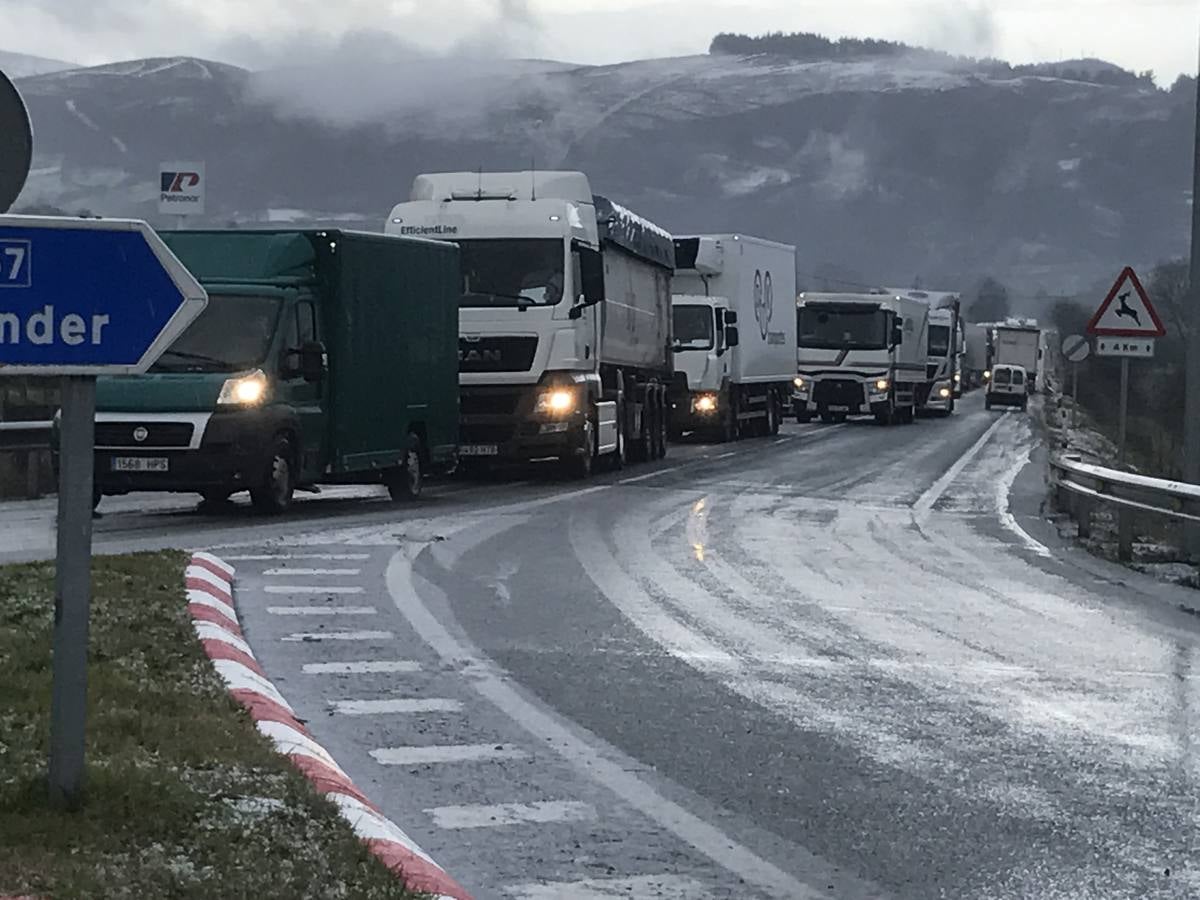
[1127, 311]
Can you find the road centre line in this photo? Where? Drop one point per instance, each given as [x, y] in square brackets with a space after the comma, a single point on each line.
[927, 500]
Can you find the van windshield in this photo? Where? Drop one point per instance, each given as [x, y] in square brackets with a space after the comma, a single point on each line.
[232, 334]
[693, 328]
[512, 272]
[842, 327]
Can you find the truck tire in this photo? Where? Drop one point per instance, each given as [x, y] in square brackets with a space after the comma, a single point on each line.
[578, 466]
[274, 494]
[406, 482]
[774, 414]
[664, 413]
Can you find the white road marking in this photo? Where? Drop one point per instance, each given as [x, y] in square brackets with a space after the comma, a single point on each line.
[661, 887]
[650, 475]
[500, 814]
[364, 667]
[926, 501]
[309, 589]
[339, 636]
[305, 572]
[588, 760]
[322, 610]
[727, 455]
[266, 557]
[399, 705]
[1007, 519]
[445, 753]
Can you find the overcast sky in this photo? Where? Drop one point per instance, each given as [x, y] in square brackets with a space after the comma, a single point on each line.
[1138, 34]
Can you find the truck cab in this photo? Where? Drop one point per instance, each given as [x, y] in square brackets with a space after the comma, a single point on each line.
[860, 354]
[705, 331]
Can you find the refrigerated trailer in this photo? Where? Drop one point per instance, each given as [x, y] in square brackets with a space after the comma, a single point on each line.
[860, 354]
[1018, 345]
[735, 335]
[565, 316]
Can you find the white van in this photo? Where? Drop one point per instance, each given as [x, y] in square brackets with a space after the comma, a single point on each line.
[1009, 386]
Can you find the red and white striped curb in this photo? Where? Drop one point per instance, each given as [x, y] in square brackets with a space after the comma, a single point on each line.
[209, 583]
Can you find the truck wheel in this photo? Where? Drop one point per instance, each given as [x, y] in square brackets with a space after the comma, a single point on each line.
[773, 415]
[663, 427]
[274, 495]
[408, 481]
[578, 466]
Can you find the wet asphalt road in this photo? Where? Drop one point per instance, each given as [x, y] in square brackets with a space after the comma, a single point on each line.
[834, 664]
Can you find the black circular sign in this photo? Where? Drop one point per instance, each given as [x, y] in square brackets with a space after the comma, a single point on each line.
[16, 143]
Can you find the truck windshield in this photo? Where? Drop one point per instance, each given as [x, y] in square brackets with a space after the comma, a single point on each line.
[939, 340]
[693, 327]
[512, 272]
[233, 333]
[836, 328]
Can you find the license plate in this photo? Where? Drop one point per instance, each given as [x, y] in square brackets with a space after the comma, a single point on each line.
[839, 409]
[140, 464]
[479, 450]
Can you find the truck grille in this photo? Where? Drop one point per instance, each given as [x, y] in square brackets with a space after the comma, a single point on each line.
[157, 434]
[489, 403]
[497, 354]
[838, 392]
[485, 433]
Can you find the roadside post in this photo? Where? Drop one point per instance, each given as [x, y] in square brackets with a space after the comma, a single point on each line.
[1075, 349]
[81, 298]
[1126, 325]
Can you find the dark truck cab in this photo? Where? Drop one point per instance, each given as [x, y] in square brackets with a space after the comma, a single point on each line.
[322, 357]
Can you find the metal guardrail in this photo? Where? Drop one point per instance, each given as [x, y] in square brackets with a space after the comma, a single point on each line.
[25, 435]
[1082, 486]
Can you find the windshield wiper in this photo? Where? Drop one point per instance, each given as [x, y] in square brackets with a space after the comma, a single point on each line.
[196, 357]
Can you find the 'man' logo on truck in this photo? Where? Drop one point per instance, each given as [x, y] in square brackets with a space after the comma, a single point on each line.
[477, 356]
[764, 301]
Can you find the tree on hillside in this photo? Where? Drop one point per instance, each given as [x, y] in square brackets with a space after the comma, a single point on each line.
[991, 303]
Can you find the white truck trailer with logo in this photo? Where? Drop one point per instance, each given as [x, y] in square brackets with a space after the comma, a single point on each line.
[860, 354]
[565, 316]
[735, 334]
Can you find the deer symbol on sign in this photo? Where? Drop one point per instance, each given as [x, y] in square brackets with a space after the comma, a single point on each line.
[1128, 311]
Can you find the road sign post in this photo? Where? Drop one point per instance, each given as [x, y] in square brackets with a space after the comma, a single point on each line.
[1126, 325]
[81, 298]
[1075, 349]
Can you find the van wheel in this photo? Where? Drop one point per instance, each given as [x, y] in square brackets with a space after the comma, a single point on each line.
[275, 493]
[408, 481]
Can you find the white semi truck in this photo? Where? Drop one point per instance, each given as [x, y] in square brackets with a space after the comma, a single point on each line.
[735, 335]
[978, 340]
[860, 354]
[564, 321]
[944, 349]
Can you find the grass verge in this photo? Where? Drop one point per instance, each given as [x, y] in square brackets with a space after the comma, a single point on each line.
[184, 798]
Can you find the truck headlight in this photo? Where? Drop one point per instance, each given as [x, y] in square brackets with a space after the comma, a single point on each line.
[705, 403]
[882, 385]
[244, 390]
[957, 378]
[987, 373]
[799, 383]
[944, 393]
[558, 401]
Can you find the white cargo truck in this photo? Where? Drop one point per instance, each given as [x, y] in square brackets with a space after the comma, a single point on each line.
[1019, 344]
[735, 335]
[564, 319]
[860, 354]
[944, 349]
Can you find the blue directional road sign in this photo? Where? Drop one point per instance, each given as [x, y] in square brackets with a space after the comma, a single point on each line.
[89, 296]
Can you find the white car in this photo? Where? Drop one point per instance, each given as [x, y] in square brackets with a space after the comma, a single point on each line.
[1008, 386]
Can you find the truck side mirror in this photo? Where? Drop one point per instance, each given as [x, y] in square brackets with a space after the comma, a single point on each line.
[591, 276]
[732, 338]
[730, 319]
[312, 361]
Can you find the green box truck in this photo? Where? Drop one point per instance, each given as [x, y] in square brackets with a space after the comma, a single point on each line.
[323, 357]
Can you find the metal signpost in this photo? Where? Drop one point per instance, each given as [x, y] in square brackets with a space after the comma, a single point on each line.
[81, 298]
[1075, 349]
[1126, 325]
